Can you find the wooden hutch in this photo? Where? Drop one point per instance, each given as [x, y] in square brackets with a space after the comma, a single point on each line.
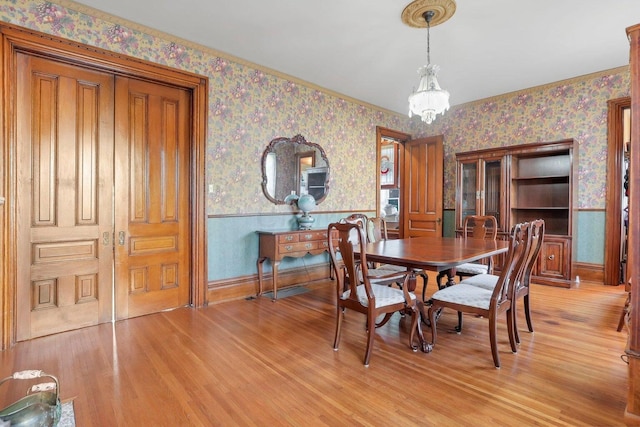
[521, 183]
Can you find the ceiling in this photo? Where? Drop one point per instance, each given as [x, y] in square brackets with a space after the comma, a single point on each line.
[362, 49]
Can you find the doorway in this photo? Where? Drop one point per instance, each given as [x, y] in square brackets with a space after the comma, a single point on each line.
[389, 159]
[106, 212]
[619, 137]
[416, 185]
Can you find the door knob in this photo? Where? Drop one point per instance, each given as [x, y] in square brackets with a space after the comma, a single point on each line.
[121, 238]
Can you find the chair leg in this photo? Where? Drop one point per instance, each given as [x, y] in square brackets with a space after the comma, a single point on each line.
[339, 317]
[527, 313]
[459, 327]
[415, 327]
[371, 320]
[514, 316]
[513, 332]
[493, 332]
[432, 321]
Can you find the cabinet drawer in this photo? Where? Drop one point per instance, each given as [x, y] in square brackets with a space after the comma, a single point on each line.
[288, 248]
[312, 235]
[288, 238]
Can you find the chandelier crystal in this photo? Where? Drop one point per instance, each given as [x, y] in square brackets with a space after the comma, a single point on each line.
[429, 99]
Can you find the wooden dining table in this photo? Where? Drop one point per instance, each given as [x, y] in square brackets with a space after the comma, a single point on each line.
[434, 254]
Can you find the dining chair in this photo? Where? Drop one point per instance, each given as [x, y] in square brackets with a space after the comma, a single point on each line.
[488, 303]
[479, 227]
[378, 275]
[488, 281]
[377, 231]
[356, 291]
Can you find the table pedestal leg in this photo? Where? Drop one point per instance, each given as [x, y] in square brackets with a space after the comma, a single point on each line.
[451, 274]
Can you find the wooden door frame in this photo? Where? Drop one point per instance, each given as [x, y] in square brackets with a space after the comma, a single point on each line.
[613, 215]
[17, 39]
[401, 137]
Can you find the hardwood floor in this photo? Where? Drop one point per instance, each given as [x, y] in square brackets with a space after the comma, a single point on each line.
[259, 363]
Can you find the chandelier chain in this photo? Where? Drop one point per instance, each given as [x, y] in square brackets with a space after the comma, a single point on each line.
[428, 19]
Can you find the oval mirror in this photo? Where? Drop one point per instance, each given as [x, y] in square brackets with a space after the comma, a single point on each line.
[294, 165]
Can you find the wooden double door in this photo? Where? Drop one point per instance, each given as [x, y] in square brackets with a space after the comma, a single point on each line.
[102, 195]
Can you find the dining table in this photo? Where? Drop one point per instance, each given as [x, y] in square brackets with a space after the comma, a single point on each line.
[431, 253]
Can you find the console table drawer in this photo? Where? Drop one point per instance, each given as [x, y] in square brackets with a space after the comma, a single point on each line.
[289, 248]
[288, 238]
[313, 235]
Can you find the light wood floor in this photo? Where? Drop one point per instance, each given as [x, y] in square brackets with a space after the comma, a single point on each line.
[258, 363]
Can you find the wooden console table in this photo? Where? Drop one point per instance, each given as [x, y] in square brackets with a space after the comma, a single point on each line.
[276, 245]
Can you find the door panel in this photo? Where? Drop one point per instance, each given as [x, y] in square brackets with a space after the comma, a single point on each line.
[422, 187]
[152, 184]
[65, 255]
[553, 258]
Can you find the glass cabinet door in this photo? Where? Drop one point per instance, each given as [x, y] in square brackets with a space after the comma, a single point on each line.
[481, 188]
[469, 190]
[492, 189]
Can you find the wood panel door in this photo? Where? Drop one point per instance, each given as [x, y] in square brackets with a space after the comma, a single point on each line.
[422, 187]
[64, 197]
[152, 192]
[103, 186]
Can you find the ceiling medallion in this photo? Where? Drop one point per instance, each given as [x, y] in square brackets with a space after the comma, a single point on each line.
[413, 14]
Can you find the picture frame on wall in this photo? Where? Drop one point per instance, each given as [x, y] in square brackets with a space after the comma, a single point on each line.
[389, 165]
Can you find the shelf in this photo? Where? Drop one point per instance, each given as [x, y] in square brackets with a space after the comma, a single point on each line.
[541, 208]
[564, 178]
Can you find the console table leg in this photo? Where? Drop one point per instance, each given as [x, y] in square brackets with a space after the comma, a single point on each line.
[275, 280]
[259, 265]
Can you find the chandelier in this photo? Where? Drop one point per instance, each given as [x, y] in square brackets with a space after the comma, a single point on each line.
[429, 99]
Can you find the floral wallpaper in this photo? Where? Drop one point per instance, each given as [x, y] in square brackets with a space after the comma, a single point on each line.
[250, 105]
[576, 108]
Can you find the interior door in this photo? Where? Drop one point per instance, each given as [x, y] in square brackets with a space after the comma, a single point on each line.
[84, 134]
[422, 187]
[64, 200]
[152, 191]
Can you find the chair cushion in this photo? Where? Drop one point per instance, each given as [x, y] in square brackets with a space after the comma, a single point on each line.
[485, 281]
[385, 295]
[472, 268]
[465, 294]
